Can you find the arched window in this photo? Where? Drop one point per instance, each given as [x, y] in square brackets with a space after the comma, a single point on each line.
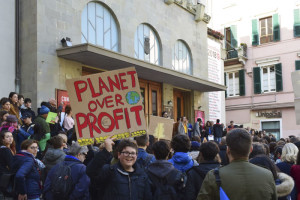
[99, 27]
[146, 44]
[181, 58]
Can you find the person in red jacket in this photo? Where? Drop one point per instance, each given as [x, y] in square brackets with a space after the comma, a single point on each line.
[295, 173]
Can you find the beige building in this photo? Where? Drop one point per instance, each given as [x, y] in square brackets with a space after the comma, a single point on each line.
[165, 40]
[8, 39]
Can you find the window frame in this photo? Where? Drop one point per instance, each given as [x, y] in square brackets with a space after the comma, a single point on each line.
[177, 63]
[268, 37]
[234, 84]
[268, 67]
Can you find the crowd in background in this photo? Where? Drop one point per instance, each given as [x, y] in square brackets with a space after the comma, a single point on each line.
[195, 164]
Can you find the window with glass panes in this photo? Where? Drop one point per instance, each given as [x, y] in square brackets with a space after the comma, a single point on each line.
[266, 30]
[268, 79]
[233, 84]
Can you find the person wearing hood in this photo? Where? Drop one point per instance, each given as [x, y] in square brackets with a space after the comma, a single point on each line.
[80, 181]
[208, 159]
[124, 180]
[218, 131]
[284, 183]
[161, 170]
[54, 153]
[181, 160]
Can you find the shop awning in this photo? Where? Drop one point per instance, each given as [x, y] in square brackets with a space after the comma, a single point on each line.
[101, 58]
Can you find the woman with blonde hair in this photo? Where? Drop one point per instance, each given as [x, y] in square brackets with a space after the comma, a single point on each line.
[288, 158]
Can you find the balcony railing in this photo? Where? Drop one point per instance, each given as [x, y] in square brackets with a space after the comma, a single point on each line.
[239, 53]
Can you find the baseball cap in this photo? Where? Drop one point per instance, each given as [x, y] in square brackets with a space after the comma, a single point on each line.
[26, 115]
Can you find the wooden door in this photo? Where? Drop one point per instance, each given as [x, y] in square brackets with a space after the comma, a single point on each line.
[178, 99]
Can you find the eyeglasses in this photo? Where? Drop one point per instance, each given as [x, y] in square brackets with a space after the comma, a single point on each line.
[33, 148]
[126, 153]
[84, 154]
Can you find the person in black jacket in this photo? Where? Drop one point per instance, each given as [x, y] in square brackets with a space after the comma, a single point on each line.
[207, 161]
[124, 180]
[218, 131]
[162, 171]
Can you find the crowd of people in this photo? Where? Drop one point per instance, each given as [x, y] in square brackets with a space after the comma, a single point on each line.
[41, 160]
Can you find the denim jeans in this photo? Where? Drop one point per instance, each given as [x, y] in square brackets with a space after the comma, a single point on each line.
[218, 139]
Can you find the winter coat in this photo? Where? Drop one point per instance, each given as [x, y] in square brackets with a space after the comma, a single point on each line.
[142, 154]
[160, 169]
[80, 180]
[223, 155]
[21, 135]
[218, 130]
[285, 167]
[27, 178]
[182, 161]
[195, 177]
[240, 180]
[6, 158]
[40, 120]
[52, 157]
[284, 186]
[115, 183]
[295, 173]
[198, 130]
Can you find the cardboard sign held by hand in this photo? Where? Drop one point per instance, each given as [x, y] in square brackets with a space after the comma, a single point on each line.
[160, 127]
[51, 117]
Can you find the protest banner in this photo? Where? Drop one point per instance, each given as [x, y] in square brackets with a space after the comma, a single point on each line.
[107, 104]
[160, 127]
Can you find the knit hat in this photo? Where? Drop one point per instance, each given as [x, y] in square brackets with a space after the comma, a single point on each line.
[44, 110]
[195, 146]
[75, 149]
[11, 119]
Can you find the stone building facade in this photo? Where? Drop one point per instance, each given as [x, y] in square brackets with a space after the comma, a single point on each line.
[165, 40]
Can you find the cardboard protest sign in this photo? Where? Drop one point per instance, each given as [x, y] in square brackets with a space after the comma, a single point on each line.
[160, 127]
[51, 117]
[106, 104]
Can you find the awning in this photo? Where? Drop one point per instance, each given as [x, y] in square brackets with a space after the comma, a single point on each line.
[101, 58]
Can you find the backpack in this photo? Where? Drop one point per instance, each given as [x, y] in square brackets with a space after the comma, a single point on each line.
[144, 163]
[223, 195]
[169, 187]
[62, 183]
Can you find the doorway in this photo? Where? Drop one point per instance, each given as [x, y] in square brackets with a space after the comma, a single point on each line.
[181, 104]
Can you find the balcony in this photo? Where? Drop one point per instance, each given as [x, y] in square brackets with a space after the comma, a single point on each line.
[235, 56]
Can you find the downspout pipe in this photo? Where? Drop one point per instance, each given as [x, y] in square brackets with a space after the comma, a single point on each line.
[17, 51]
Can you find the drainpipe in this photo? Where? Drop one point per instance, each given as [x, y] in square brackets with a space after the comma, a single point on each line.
[17, 51]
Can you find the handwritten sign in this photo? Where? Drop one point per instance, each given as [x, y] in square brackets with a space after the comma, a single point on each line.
[51, 117]
[160, 127]
[107, 104]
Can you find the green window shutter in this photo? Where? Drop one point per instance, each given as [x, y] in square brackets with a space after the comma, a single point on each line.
[242, 82]
[278, 71]
[297, 64]
[225, 85]
[255, 35]
[276, 28]
[256, 80]
[233, 36]
[296, 22]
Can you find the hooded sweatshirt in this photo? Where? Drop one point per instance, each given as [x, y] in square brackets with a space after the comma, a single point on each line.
[52, 157]
[182, 161]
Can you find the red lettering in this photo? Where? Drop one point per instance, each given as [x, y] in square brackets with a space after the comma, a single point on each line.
[92, 124]
[80, 90]
[109, 101]
[79, 125]
[90, 108]
[101, 105]
[100, 123]
[112, 83]
[92, 89]
[102, 85]
[118, 99]
[122, 81]
[132, 73]
[127, 118]
[118, 117]
[137, 110]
